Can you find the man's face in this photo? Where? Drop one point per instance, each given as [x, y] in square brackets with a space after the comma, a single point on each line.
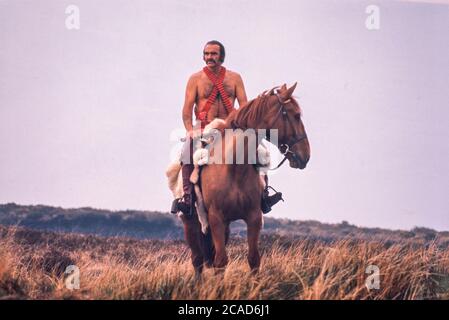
[211, 55]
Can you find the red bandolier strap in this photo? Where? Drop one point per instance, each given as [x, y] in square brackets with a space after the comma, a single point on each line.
[217, 80]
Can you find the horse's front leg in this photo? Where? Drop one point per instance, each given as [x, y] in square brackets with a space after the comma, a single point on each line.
[254, 224]
[218, 229]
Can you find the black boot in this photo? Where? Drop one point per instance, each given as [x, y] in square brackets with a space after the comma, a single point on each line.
[185, 205]
[174, 206]
[268, 201]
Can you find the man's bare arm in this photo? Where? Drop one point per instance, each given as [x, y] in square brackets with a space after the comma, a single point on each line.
[190, 98]
[240, 91]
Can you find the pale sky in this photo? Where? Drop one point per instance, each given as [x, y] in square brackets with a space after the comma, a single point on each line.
[86, 115]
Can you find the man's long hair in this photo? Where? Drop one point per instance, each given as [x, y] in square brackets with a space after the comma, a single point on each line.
[222, 49]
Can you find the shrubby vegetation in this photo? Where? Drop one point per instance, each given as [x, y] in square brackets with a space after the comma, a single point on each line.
[159, 225]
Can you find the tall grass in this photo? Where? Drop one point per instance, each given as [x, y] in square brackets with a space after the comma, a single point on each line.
[32, 266]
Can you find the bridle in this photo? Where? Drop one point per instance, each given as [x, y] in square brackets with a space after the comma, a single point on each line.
[284, 148]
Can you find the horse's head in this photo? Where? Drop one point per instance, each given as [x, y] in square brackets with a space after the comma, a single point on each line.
[284, 114]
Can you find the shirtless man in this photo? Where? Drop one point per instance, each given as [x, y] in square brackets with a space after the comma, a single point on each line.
[200, 87]
[213, 92]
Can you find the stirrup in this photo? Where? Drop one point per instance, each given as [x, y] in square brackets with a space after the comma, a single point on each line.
[269, 201]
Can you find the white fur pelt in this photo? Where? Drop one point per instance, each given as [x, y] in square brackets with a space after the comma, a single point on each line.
[264, 157]
[174, 177]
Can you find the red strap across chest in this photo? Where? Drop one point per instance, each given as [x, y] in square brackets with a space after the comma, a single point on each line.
[218, 88]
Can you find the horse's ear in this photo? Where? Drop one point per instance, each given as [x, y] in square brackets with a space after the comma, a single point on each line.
[287, 93]
[283, 87]
[292, 88]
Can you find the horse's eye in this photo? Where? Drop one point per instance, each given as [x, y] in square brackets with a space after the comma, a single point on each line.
[298, 116]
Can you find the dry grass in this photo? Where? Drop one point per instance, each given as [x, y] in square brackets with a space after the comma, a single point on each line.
[32, 266]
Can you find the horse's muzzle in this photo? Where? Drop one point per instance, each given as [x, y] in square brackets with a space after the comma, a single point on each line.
[297, 163]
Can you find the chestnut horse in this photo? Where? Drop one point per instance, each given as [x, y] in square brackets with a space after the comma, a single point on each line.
[233, 191]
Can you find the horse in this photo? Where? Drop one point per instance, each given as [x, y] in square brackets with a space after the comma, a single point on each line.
[233, 191]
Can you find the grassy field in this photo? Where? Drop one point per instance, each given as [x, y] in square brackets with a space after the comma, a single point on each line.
[32, 265]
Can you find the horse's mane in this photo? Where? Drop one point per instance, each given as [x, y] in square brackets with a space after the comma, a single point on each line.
[249, 113]
[252, 112]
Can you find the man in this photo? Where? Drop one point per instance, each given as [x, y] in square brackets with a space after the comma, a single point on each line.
[213, 92]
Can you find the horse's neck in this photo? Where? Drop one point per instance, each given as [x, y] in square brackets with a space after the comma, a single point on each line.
[231, 151]
[231, 123]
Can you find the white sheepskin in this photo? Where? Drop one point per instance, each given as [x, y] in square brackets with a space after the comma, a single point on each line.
[264, 158]
[174, 176]
[201, 157]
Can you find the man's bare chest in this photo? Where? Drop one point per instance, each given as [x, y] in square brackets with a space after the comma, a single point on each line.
[205, 87]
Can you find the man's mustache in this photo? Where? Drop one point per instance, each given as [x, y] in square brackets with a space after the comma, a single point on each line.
[211, 60]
